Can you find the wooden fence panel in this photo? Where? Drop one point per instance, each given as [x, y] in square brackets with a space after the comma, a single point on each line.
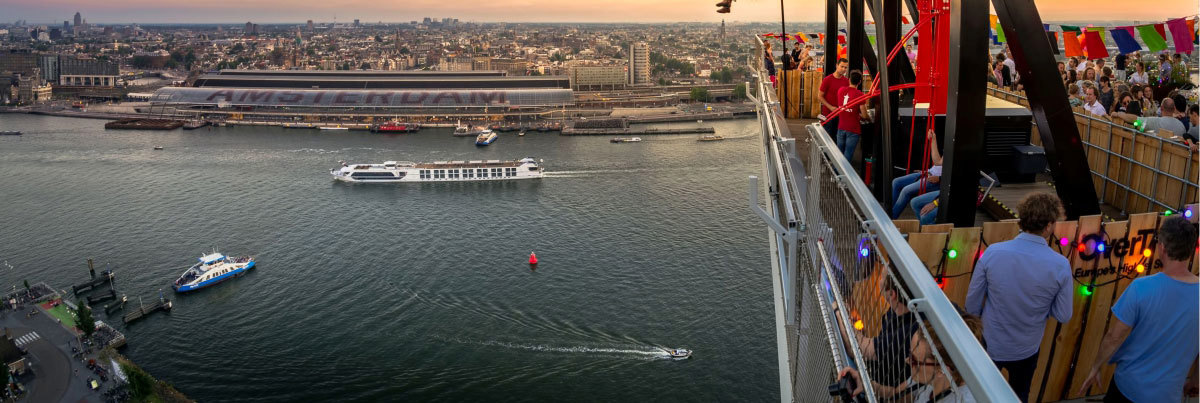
[1103, 274]
[1065, 342]
[1062, 230]
[907, 226]
[937, 228]
[964, 242]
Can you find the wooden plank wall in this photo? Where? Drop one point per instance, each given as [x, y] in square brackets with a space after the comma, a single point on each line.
[1147, 150]
[802, 89]
[1067, 349]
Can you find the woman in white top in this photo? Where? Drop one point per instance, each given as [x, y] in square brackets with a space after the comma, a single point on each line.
[928, 382]
[1140, 77]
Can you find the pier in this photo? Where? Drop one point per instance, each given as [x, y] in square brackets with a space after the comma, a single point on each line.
[144, 124]
[113, 307]
[110, 295]
[142, 311]
[634, 131]
[105, 277]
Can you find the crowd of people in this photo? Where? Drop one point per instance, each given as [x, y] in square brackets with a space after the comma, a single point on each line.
[1016, 286]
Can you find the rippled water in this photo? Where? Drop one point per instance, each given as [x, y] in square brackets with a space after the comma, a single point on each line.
[409, 291]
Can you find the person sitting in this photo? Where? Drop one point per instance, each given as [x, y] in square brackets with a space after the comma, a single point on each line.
[1093, 105]
[1157, 123]
[926, 207]
[1073, 95]
[906, 187]
[928, 382]
[886, 354]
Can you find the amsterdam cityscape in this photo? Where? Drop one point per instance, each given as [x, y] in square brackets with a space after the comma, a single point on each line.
[537, 201]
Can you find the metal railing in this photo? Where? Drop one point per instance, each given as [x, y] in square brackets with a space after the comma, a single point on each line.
[834, 251]
[1125, 177]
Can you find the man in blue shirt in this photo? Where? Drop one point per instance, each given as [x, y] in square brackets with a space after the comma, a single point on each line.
[1017, 285]
[1154, 335]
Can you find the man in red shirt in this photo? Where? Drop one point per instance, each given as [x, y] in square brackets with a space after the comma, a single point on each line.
[849, 128]
[828, 94]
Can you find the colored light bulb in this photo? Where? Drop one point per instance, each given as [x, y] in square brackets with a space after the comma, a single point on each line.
[1146, 252]
[952, 253]
[1082, 248]
[1168, 212]
[1100, 246]
[858, 325]
[864, 252]
[1187, 213]
[1086, 290]
[1141, 268]
[1064, 241]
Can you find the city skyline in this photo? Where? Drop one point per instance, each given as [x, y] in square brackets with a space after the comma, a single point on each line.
[282, 11]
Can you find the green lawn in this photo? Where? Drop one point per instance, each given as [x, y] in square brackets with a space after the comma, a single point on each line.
[65, 315]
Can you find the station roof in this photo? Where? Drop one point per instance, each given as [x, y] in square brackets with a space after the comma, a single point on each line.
[359, 73]
[370, 81]
[362, 98]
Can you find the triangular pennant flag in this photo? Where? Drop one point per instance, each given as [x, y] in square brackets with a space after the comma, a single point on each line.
[1181, 34]
[841, 39]
[1099, 30]
[1154, 42]
[1192, 27]
[871, 38]
[1071, 46]
[1162, 31]
[1071, 28]
[822, 36]
[800, 36]
[815, 36]
[1125, 42]
[993, 20]
[844, 31]
[1046, 27]
[1000, 33]
[904, 19]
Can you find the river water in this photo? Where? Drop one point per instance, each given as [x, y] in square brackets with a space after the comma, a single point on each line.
[409, 291]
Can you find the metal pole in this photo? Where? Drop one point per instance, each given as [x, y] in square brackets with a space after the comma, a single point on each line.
[965, 108]
[831, 22]
[783, 73]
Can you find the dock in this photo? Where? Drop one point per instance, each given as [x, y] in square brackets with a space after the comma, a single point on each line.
[634, 131]
[110, 295]
[105, 277]
[110, 308]
[144, 124]
[142, 311]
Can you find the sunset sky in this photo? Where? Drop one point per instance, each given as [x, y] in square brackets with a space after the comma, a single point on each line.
[275, 11]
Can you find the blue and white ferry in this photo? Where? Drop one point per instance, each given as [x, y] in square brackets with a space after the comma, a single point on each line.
[213, 268]
[485, 138]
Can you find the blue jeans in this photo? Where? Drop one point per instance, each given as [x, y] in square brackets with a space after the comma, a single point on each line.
[907, 187]
[919, 203]
[846, 142]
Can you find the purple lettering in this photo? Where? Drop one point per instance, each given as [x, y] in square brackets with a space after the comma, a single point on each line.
[317, 99]
[407, 97]
[257, 96]
[437, 99]
[488, 97]
[228, 94]
[289, 97]
[344, 97]
[385, 96]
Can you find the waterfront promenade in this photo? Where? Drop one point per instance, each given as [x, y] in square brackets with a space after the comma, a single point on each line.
[52, 375]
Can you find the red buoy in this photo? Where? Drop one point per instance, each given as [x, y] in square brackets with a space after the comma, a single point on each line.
[532, 258]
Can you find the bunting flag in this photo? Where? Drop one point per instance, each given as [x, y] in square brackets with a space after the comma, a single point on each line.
[1181, 34]
[1000, 33]
[1124, 39]
[1099, 30]
[1192, 27]
[904, 19]
[1071, 28]
[871, 38]
[844, 31]
[1154, 41]
[1071, 47]
[1095, 45]
[1162, 31]
[841, 39]
[1046, 27]
[815, 36]
[800, 36]
[993, 20]
[822, 36]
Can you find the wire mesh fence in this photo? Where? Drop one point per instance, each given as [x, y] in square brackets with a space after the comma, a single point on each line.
[864, 319]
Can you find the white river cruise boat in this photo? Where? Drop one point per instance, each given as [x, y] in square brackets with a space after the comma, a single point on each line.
[440, 171]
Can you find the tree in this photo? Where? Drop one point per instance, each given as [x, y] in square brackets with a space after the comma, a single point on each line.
[699, 94]
[140, 383]
[86, 323]
[739, 91]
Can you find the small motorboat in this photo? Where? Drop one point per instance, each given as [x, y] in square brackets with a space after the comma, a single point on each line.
[710, 137]
[626, 140]
[158, 147]
[678, 353]
[521, 134]
[486, 137]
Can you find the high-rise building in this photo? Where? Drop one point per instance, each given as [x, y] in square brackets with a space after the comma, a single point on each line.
[78, 19]
[66, 26]
[639, 63]
[722, 31]
[249, 28]
[356, 25]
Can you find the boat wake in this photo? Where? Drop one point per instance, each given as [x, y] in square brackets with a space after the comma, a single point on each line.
[642, 352]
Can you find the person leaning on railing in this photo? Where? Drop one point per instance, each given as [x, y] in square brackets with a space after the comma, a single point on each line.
[886, 354]
[928, 382]
[1017, 285]
[1153, 340]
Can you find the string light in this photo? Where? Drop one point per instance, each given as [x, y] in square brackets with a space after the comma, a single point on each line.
[1141, 268]
[1168, 213]
[858, 325]
[1146, 252]
[952, 253]
[1082, 247]
[1187, 213]
[1064, 241]
[1100, 246]
[1086, 290]
[864, 252]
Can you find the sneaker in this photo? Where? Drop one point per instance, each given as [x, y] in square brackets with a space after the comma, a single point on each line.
[723, 10]
[725, 3]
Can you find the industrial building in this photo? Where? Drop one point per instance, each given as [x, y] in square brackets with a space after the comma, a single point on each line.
[363, 96]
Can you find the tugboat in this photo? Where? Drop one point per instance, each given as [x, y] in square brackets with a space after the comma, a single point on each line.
[213, 268]
[485, 138]
[467, 131]
[710, 137]
[395, 127]
[678, 353]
